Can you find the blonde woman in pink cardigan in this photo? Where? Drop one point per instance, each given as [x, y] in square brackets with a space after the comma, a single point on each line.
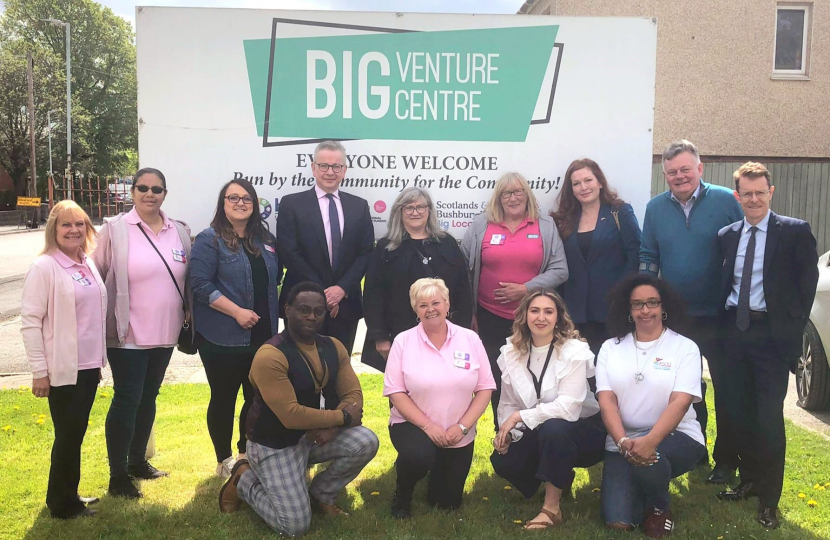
[63, 310]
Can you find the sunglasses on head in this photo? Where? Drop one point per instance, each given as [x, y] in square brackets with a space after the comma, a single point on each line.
[158, 190]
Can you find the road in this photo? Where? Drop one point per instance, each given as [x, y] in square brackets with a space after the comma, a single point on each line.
[19, 250]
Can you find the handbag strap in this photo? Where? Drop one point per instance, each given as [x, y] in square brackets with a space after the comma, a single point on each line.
[616, 214]
[165, 263]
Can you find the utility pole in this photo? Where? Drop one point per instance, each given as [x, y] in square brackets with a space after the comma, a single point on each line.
[33, 166]
[69, 178]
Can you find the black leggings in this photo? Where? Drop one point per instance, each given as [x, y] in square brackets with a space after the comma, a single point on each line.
[227, 369]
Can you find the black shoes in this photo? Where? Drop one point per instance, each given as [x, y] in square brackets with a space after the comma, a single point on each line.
[744, 491]
[145, 471]
[721, 474]
[767, 517]
[122, 486]
[401, 506]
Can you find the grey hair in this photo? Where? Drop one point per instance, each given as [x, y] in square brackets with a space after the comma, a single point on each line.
[678, 147]
[330, 145]
[395, 231]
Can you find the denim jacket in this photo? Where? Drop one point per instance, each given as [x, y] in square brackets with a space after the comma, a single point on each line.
[217, 271]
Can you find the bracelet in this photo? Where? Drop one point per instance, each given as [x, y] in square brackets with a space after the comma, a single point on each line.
[426, 426]
[619, 443]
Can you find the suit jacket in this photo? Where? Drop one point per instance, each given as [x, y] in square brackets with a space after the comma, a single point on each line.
[790, 278]
[301, 243]
[614, 253]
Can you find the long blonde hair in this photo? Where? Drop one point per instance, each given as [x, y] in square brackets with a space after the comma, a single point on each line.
[563, 330]
[495, 212]
[51, 231]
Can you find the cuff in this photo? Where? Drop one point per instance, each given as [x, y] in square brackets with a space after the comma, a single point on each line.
[214, 296]
[40, 374]
[530, 418]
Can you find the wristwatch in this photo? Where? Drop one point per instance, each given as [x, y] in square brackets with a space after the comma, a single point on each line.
[347, 418]
[463, 429]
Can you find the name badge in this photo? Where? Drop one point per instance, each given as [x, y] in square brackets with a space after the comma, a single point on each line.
[497, 240]
[533, 236]
[269, 248]
[179, 255]
[661, 364]
[322, 401]
[461, 355]
[463, 364]
[85, 282]
[79, 275]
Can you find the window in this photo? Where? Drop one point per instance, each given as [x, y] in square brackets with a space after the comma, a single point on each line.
[792, 41]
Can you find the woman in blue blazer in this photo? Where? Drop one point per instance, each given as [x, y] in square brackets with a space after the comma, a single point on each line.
[601, 236]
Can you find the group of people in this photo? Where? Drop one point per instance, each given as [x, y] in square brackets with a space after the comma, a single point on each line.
[560, 322]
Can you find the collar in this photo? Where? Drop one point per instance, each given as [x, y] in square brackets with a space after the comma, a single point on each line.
[694, 196]
[64, 260]
[451, 330]
[525, 222]
[320, 193]
[133, 218]
[762, 225]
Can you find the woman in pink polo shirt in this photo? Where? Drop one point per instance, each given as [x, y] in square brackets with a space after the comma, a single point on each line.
[438, 381]
[511, 249]
[143, 256]
[62, 313]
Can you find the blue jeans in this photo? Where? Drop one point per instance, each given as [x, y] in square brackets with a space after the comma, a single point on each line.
[137, 376]
[628, 491]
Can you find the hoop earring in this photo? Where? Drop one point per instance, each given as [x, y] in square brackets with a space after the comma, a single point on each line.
[665, 315]
[630, 318]
[417, 319]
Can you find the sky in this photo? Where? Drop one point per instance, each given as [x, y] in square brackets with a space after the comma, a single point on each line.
[126, 8]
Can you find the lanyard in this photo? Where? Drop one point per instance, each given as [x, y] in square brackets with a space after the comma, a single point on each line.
[537, 383]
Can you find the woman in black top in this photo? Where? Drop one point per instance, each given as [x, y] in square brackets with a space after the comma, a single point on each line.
[414, 247]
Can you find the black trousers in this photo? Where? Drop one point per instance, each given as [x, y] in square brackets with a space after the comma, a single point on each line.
[69, 407]
[493, 331]
[550, 452]
[754, 394]
[418, 456]
[227, 368]
[595, 333]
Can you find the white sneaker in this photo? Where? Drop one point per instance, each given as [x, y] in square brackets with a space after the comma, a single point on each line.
[223, 470]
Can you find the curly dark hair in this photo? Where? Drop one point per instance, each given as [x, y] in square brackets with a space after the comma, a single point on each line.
[620, 309]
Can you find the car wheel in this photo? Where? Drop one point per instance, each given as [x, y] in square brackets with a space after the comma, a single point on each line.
[812, 376]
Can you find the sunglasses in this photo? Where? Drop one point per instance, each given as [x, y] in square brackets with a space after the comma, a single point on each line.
[158, 190]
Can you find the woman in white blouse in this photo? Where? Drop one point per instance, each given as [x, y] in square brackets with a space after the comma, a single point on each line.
[548, 418]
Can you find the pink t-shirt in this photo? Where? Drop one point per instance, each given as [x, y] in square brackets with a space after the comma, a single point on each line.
[508, 257]
[156, 313]
[440, 382]
[90, 312]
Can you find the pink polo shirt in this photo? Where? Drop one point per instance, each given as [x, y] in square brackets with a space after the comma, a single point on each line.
[90, 311]
[508, 257]
[156, 313]
[440, 382]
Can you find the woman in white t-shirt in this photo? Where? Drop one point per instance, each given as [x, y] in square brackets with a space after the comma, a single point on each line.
[548, 417]
[647, 378]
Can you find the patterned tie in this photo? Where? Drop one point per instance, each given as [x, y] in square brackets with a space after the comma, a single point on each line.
[334, 226]
[742, 318]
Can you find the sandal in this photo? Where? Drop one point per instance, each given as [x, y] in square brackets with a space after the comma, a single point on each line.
[555, 521]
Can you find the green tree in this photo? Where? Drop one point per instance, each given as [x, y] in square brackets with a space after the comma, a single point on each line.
[104, 115]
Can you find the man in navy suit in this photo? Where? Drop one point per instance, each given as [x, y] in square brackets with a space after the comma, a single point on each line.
[769, 279]
[325, 235]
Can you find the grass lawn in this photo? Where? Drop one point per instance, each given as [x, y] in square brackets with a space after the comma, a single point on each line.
[184, 505]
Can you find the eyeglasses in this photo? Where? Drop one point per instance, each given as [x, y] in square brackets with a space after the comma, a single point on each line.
[411, 209]
[234, 199]
[637, 305]
[336, 167]
[305, 311]
[158, 190]
[750, 194]
[684, 171]
[505, 195]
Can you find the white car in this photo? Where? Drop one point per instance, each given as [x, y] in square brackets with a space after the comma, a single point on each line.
[812, 375]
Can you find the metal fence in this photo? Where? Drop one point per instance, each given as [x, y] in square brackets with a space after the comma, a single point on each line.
[93, 193]
[802, 190]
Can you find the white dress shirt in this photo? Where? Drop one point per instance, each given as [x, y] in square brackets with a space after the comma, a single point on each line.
[323, 201]
[757, 302]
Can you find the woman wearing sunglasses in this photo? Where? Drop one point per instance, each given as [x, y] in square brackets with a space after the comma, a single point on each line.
[142, 256]
[235, 274]
[414, 247]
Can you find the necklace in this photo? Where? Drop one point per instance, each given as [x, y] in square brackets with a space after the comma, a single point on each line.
[638, 375]
[424, 259]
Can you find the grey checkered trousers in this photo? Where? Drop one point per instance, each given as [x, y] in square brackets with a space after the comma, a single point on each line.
[275, 485]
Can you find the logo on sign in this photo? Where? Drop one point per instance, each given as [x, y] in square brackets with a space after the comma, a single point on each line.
[265, 208]
[380, 207]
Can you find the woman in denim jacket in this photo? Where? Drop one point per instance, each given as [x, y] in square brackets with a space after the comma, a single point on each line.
[235, 273]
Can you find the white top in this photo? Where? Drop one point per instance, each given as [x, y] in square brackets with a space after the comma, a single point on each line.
[565, 392]
[673, 365]
[757, 301]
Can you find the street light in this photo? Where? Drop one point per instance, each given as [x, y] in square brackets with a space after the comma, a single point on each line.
[65, 25]
[51, 177]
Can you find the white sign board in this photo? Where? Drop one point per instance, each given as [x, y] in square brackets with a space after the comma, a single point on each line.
[447, 102]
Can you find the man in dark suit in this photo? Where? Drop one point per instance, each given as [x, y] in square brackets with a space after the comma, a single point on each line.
[769, 279]
[325, 235]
